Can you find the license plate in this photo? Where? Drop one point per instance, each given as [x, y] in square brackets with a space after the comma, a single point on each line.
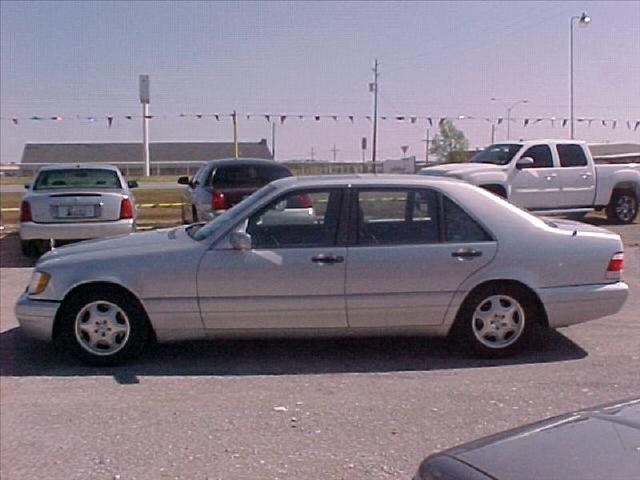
[76, 211]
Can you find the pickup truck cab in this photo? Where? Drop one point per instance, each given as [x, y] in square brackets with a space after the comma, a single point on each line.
[552, 177]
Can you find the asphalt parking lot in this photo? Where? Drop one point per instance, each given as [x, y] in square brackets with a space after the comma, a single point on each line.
[291, 409]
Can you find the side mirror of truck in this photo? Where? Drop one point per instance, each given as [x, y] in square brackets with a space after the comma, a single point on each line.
[524, 162]
[183, 180]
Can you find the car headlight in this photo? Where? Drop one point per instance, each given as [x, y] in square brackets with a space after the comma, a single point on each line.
[39, 281]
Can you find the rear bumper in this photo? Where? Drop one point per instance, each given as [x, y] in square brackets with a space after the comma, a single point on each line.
[570, 305]
[36, 317]
[75, 231]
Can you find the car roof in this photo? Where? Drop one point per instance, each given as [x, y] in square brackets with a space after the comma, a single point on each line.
[537, 141]
[66, 166]
[226, 162]
[364, 179]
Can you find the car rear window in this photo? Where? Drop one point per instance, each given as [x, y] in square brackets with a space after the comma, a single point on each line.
[237, 176]
[77, 178]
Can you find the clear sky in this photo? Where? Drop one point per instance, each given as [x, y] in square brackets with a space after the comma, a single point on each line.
[436, 59]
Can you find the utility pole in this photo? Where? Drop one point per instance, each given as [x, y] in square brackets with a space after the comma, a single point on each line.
[335, 151]
[273, 140]
[144, 100]
[312, 154]
[373, 87]
[493, 133]
[236, 152]
[426, 141]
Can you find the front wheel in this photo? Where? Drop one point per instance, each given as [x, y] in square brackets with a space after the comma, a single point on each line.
[103, 326]
[496, 321]
[623, 207]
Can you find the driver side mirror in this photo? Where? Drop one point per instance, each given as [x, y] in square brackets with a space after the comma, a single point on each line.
[524, 162]
[240, 241]
[132, 183]
[183, 180]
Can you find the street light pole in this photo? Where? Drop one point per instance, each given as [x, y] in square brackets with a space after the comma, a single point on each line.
[509, 107]
[585, 20]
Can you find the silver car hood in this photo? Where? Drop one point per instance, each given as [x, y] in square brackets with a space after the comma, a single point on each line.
[133, 244]
[459, 169]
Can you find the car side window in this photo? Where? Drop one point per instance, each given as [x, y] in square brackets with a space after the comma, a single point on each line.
[541, 155]
[571, 155]
[459, 226]
[397, 217]
[296, 220]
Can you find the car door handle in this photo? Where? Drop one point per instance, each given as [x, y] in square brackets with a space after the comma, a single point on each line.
[551, 176]
[585, 175]
[464, 253]
[324, 258]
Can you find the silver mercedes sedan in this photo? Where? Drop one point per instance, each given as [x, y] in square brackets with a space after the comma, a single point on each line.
[375, 255]
[75, 202]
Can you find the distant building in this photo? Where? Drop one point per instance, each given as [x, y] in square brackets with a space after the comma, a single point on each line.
[167, 158]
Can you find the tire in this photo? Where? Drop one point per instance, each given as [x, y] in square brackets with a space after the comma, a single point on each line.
[496, 321]
[623, 207]
[102, 326]
[29, 248]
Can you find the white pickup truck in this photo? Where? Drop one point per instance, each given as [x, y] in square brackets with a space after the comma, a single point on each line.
[551, 177]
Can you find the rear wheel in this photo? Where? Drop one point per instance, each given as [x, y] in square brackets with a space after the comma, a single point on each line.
[623, 207]
[103, 326]
[33, 248]
[496, 321]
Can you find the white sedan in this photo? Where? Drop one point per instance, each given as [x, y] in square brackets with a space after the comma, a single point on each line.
[381, 255]
[75, 202]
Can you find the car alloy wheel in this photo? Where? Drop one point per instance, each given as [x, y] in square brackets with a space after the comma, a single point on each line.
[102, 328]
[498, 321]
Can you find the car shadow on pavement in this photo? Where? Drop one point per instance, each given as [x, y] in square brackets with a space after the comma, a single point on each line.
[10, 254]
[21, 357]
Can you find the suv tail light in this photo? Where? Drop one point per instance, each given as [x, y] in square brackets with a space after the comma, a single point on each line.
[218, 201]
[614, 269]
[25, 212]
[126, 209]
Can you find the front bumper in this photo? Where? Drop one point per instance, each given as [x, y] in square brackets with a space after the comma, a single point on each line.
[570, 305]
[36, 317]
[75, 231]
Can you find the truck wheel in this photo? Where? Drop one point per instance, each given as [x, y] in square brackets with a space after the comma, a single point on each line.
[623, 207]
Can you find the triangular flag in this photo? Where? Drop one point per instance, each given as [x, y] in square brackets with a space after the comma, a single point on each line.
[35, 117]
[383, 118]
[351, 118]
[129, 117]
[148, 117]
[637, 125]
[526, 122]
[14, 120]
[589, 121]
[400, 118]
[564, 122]
[335, 117]
[216, 116]
[282, 119]
[317, 117]
[109, 120]
[499, 120]
[538, 120]
[56, 118]
[628, 124]
[413, 119]
[267, 118]
[430, 121]
[301, 117]
[604, 123]
[368, 117]
[441, 121]
[615, 123]
[199, 116]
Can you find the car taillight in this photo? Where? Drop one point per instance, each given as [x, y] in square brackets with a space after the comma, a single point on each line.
[126, 209]
[218, 201]
[25, 212]
[614, 269]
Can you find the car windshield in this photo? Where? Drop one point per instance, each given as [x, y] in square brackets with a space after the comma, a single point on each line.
[77, 178]
[499, 154]
[200, 232]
